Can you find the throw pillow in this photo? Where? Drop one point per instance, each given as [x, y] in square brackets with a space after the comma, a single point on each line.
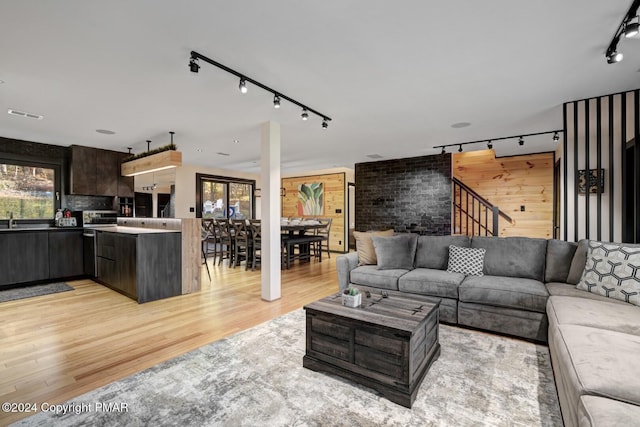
[467, 261]
[396, 251]
[364, 245]
[612, 270]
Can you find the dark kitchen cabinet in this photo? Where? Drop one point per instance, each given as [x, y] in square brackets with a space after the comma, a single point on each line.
[144, 266]
[83, 176]
[125, 183]
[24, 257]
[66, 253]
[96, 172]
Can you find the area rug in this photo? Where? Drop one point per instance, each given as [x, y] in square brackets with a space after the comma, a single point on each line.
[256, 378]
[33, 291]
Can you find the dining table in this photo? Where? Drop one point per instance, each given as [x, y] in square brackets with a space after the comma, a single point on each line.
[296, 236]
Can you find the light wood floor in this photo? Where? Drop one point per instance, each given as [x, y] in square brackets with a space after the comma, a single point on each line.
[57, 347]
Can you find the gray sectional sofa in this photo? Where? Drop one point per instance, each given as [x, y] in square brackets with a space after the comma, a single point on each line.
[528, 290]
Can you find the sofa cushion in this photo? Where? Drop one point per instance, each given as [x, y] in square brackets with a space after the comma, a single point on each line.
[428, 281]
[602, 412]
[569, 290]
[558, 260]
[364, 245]
[369, 275]
[466, 261]
[513, 256]
[578, 262]
[510, 292]
[596, 314]
[612, 270]
[433, 251]
[395, 251]
[596, 362]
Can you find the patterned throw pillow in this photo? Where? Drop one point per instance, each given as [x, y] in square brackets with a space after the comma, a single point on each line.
[467, 261]
[612, 270]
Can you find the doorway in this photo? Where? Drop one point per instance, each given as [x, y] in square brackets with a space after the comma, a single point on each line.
[556, 200]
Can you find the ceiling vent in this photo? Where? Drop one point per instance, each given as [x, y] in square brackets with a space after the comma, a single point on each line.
[27, 115]
[374, 156]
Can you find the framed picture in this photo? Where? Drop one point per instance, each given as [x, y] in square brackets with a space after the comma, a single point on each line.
[311, 199]
[590, 181]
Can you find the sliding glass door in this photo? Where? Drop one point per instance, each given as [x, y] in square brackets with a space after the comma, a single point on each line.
[224, 197]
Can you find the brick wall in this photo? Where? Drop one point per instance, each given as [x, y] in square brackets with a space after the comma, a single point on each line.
[405, 193]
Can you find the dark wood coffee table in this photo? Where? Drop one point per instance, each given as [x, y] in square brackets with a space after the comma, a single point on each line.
[387, 344]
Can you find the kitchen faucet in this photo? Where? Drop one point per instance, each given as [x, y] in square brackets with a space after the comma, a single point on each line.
[12, 222]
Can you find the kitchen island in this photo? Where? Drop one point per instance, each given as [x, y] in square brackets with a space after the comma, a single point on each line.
[141, 263]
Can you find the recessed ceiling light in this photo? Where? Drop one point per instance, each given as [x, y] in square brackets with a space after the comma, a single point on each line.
[223, 154]
[460, 125]
[236, 141]
[1, 82]
[105, 131]
[199, 150]
[23, 114]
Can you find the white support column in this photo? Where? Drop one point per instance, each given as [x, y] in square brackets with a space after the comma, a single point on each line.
[270, 210]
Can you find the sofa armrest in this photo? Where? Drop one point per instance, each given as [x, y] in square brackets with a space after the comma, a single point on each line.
[344, 265]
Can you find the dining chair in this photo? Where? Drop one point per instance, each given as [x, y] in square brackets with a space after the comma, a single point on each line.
[256, 240]
[204, 232]
[242, 242]
[212, 239]
[324, 233]
[226, 240]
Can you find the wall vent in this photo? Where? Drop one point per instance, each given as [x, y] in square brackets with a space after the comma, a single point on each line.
[27, 115]
[374, 156]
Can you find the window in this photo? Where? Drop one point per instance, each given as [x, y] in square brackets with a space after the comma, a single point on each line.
[224, 197]
[28, 191]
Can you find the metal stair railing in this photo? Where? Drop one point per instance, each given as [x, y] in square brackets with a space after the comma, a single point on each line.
[476, 214]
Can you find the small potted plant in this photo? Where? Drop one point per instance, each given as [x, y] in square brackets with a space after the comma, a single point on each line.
[351, 297]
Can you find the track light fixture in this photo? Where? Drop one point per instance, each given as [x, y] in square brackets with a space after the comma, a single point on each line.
[243, 85]
[277, 95]
[631, 29]
[193, 65]
[444, 151]
[628, 29]
[490, 142]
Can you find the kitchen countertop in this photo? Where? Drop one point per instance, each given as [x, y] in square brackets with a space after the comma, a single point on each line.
[24, 228]
[133, 230]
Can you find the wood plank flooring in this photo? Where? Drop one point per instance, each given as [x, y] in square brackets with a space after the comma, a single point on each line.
[57, 347]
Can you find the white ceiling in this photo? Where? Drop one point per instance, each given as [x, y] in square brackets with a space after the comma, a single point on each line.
[393, 75]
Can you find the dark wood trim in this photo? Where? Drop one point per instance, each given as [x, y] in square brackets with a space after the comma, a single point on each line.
[611, 167]
[623, 145]
[227, 180]
[565, 164]
[575, 171]
[636, 163]
[587, 195]
[599, 166]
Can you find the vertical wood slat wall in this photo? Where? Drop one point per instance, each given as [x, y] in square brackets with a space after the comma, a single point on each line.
[612, 122]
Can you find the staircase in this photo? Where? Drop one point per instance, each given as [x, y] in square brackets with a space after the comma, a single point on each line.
[474, 215]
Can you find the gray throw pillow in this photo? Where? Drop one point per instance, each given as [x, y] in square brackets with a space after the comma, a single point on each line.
[395, 252]
[467, 261]
[612, 270]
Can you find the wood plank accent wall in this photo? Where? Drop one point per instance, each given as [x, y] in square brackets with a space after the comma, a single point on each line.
[511, 182]
[335, 199]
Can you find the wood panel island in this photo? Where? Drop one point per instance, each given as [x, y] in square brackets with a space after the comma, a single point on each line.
[142, 263]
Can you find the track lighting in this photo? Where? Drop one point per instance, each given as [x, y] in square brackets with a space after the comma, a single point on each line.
[628, 29]
[243, 85]
[632, 28]
[490, 142]
[193, 65]
[278, 96]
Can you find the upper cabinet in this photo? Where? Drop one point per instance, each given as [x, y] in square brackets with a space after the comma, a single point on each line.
[96, 172]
